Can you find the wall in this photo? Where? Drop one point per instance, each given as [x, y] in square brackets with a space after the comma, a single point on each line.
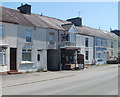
[114, 49]
[38, 45]
[53, 45]
[100, 48]
[119, 28]
[80, 42]
[9, 38]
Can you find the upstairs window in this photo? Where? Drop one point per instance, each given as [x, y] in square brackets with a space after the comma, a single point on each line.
[51, 38]
[64, 37]
[86, 42]
[28, 37]
[98, 42]
[104, 43]
[72, 37]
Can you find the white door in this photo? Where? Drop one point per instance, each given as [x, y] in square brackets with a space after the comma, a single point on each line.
[39, 64]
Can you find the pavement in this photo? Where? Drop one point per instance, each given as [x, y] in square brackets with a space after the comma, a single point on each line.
[96, 80]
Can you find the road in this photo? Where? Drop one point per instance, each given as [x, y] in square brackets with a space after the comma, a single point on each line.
[96, 80]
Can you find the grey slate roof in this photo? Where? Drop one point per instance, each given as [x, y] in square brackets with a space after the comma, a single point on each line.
[45, 21]
[96, 32]
[13, 16]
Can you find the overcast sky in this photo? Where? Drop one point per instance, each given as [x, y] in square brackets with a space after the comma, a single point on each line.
[94, 14]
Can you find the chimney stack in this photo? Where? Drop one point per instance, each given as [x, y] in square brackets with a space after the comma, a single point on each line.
[25, 9]
[76, 21]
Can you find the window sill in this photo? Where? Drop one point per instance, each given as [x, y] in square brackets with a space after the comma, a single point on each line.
[28, 42]
[27, 62]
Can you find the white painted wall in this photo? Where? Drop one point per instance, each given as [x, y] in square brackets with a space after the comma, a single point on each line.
[38, 43]
[80, 41]
[9, 38]
[114, 49]
[15, 37]
[56, 34]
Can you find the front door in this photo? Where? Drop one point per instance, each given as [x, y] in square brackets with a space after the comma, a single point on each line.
[13, 59]
[39, 60]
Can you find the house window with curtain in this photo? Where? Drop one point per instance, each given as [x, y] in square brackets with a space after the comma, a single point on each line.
[26, 55]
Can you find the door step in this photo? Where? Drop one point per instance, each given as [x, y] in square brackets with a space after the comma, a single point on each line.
[13, 72]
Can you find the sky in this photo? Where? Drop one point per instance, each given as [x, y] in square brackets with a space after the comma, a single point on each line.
[94, 14]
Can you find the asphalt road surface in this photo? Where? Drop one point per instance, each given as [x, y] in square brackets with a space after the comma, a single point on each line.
[96, 80]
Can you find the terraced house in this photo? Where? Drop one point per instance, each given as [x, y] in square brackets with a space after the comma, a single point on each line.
[21, 49]
[31, 42]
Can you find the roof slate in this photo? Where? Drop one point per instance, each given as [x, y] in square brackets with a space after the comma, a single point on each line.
[96, 32]
[45, 21]
[13, 16]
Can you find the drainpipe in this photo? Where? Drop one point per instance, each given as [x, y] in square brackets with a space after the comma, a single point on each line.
[94, 49]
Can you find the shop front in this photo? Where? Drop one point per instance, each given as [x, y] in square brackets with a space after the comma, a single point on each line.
[69, 57]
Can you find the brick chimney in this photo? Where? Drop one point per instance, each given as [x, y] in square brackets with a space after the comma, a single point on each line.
[25, 9]
[76, 21]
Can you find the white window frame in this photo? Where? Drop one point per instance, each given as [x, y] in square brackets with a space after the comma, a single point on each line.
[3, 52]
[29, 51]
